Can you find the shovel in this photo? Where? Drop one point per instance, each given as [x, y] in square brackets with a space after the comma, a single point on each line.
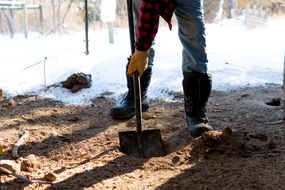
[140, 143]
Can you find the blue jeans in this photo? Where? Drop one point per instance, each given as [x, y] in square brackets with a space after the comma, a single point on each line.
[191, 31]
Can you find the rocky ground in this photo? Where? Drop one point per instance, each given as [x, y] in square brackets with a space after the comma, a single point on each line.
[73, 147]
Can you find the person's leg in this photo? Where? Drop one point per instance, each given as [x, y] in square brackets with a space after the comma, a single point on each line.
[191, 32]
[125, 109]
[197, 83]
[136, 13]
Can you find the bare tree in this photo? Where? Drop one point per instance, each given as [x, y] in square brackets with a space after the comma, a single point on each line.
[58, 17]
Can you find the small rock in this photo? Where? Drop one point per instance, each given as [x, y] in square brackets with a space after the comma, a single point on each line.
[50, 176]
[210, 138]
[106, 93]
[245, 95]
[11, 103]
[274, 102]
[227, 130]
[147, 116]
[73, 118]
[271, 145]
[259, 136]
[175, 160]
[30, 163]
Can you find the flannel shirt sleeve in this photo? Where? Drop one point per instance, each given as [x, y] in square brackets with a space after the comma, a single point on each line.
[148, 24]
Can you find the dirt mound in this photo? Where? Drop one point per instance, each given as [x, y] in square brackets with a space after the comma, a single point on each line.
[228, 143]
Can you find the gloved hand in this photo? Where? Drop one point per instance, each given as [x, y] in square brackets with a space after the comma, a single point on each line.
[138, 62]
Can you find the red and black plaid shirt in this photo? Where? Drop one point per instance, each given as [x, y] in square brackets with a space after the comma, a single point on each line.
[149, 20]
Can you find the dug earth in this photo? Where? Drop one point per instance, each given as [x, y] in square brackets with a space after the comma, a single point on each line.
[77, 147]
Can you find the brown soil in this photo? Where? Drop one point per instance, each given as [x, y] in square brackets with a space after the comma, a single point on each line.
[80, 146]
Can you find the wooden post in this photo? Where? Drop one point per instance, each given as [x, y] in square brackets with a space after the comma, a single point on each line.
[1, 29]
[10, 22]
[25, 20]
[111, 32]
[41, 18]
[13, 5]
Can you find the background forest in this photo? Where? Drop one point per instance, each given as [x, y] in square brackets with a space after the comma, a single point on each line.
[61, 16]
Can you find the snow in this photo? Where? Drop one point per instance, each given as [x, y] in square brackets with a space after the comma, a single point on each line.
[238, 57]
[108, 11]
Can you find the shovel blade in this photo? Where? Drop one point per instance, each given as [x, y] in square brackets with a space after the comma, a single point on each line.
[152, 144]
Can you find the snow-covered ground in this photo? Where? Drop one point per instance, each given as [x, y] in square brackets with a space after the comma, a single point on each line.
[237, 56]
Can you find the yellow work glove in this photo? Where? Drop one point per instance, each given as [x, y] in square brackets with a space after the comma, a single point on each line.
[138, 62]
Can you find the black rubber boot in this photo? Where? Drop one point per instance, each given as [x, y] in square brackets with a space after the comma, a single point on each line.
[126, 108]
[197, 89]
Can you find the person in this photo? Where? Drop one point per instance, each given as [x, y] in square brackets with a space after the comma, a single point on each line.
[197, 82]
[125, 109]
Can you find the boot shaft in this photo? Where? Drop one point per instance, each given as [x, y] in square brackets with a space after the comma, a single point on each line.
[144, 83]
[197, 89]
[126, 108]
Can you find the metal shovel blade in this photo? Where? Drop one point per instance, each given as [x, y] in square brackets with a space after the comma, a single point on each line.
[152, 144]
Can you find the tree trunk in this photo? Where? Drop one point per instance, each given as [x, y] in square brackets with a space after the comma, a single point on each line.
[67, 10]
[53, 15]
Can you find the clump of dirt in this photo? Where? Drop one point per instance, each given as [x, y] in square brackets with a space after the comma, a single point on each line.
[274, 102]
[228, 143]
[77, 82]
